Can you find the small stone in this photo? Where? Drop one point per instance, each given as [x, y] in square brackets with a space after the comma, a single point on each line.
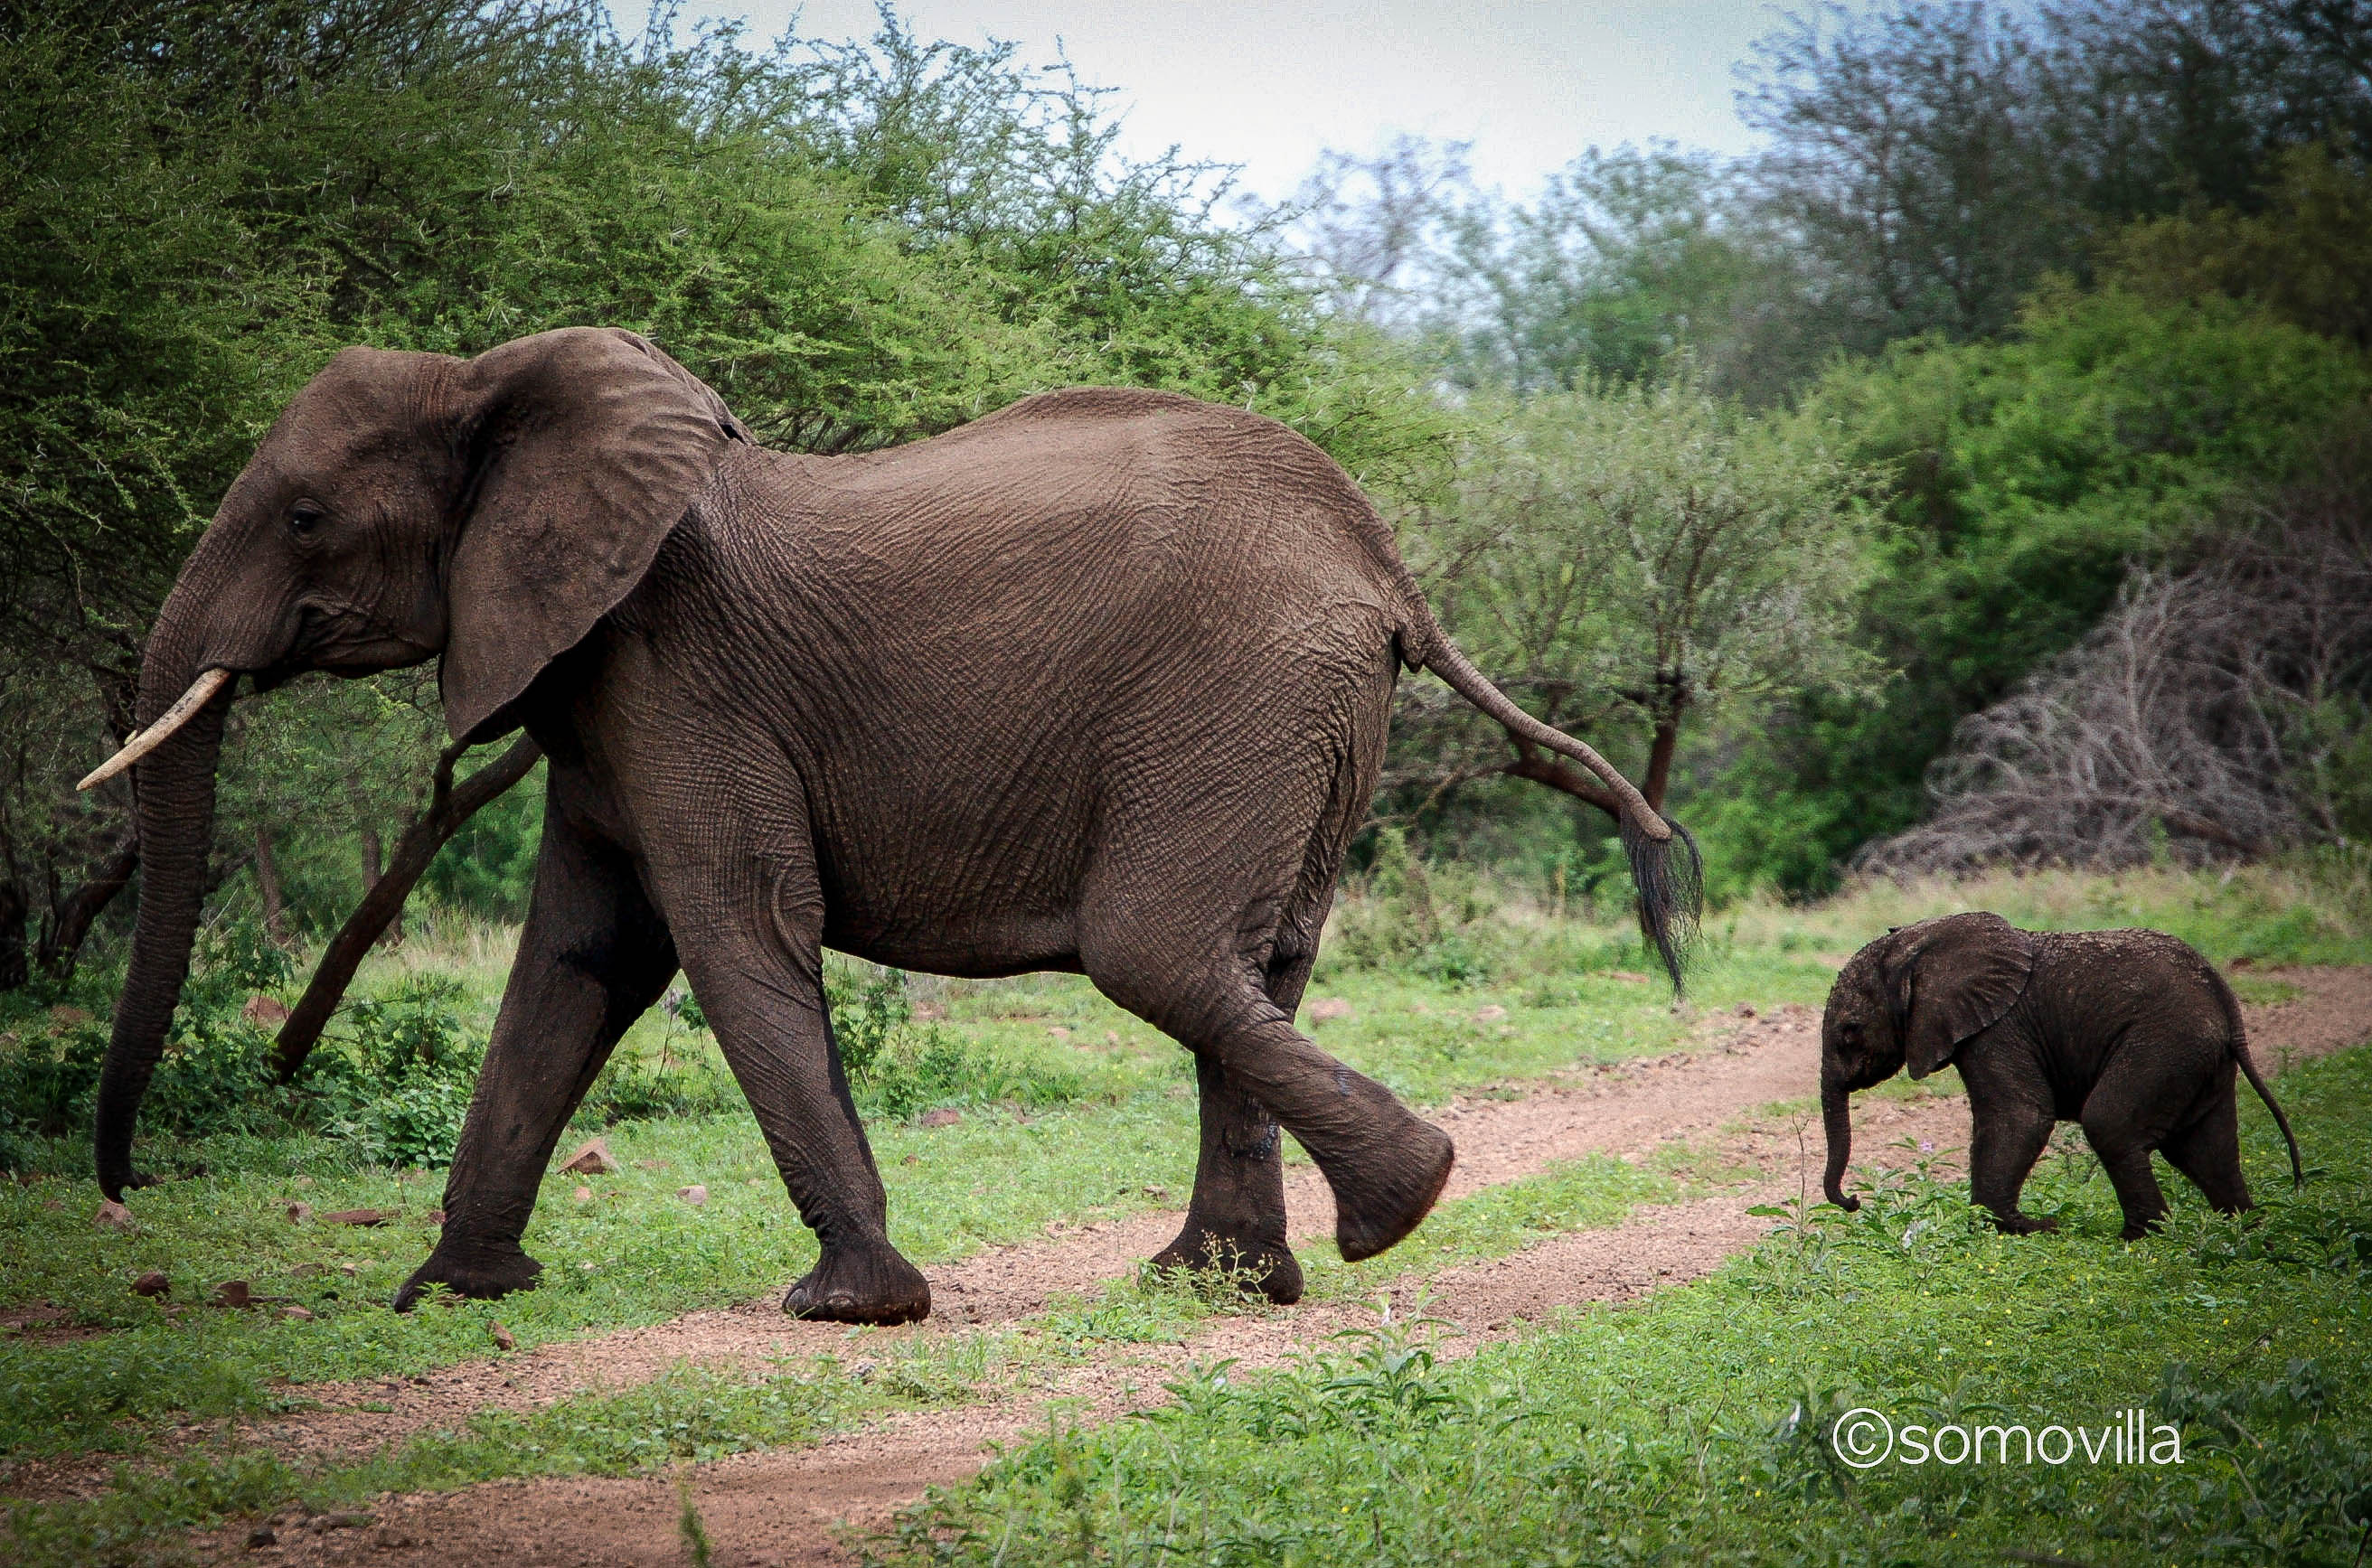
[231, 1293]
[350, 1270]
[504, 1338]
[113, 1215]
[1744, 1011]
[755, 1181]
[297, 1314]
[299, 1212]
[694, 1194]
[365, 1217]
[583, 1194]
[1328, 1008]
[1157, 1191]
[1490, 1014]
[591, 1159]
[650, 1165]
[943, 1117]
[264, 1012]
[152, 1284]
[262, 1537]
[911, 1160]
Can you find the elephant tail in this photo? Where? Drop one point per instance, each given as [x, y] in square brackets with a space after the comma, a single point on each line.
[2298, 1166]
[2249, 1069]
[1666, 870]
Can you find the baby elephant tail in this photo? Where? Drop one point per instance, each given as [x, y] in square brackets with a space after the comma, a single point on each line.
[2297, 1167]
[2249, 1067]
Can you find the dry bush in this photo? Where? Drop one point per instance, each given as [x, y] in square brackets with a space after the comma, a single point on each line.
[2207, 717]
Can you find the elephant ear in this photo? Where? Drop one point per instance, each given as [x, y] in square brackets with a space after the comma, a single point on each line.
[1956, 977]
[586, 447]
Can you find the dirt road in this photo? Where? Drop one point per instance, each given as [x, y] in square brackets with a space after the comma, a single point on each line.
[794, 1506]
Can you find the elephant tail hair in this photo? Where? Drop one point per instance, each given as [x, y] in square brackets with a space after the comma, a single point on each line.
[2248, 1070]
[1666, 870]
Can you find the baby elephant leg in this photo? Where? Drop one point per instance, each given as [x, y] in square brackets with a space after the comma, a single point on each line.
[2125, 1117]
[2006, 1141]
[2207, 1148]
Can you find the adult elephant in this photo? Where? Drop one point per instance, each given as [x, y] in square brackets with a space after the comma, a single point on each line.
[1096, 684]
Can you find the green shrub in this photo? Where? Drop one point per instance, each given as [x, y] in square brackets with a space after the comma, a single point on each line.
[918, 1071]
[398, 1083]
[1431, 921]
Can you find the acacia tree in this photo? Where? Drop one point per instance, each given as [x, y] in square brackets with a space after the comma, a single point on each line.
[857, 244]
[1627, 563]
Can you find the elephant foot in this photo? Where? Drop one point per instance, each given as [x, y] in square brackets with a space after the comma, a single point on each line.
[2022, 1225]
[1388, 1198]
[1258, 1266]
[2136, 1230]
[478, 1276]
[851, 1286]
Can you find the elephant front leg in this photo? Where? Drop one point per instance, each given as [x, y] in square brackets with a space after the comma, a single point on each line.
[2010, 1114]
[755, 958]
[592, 959]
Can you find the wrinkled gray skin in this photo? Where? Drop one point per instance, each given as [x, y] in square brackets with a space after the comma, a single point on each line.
[1097, 683]
[2131, 1033]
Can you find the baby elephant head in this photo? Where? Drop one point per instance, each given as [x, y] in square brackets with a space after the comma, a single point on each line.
[1914, 995]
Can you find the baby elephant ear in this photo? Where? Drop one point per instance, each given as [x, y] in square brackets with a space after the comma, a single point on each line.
[585, 447]
[1960, 973]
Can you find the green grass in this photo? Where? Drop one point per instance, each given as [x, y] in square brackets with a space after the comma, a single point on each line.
[687, 1414]
[1693, 1427]
[1509, 996]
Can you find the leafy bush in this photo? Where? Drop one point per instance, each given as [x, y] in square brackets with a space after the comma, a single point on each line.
[1410, 916]
[399, 1083]
[895, 1069]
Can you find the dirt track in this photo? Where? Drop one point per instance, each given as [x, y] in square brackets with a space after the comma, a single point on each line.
[780, 1507]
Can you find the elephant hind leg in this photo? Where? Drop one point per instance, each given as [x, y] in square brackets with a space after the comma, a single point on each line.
[1385, 1166]
[2207, 1149]
[2125, 1117]
[1236, 1219]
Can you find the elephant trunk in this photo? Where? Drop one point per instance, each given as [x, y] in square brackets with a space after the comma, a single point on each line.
[1836, 1117]
[174, 793]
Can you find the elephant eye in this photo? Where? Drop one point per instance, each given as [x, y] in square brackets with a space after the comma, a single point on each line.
[305, 517]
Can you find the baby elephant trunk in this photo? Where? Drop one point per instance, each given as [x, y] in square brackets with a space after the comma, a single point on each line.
[1836, 1117]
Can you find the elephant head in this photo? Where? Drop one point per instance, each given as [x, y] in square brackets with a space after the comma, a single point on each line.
[1914, 995]
[404, 507]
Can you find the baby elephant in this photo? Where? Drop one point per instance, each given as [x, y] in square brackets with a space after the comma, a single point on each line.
[2129, 1032]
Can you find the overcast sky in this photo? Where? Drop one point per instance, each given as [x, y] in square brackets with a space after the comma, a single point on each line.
[1268, 83]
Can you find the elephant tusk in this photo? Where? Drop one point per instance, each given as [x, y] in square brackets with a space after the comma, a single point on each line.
[202, 691]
